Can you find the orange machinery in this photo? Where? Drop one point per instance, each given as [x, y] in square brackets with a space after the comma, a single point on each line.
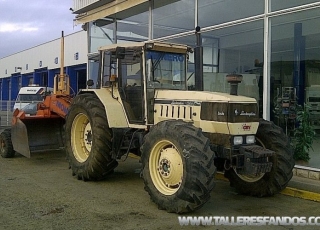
[44, 129]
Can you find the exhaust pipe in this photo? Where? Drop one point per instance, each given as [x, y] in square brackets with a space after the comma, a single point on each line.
[234, 80]
[198, 61]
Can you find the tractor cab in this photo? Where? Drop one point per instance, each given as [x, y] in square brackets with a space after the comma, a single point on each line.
[137, 70]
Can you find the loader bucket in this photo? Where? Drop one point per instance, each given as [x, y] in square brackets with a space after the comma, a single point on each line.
[31, 135]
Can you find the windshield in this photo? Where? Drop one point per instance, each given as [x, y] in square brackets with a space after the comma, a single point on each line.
[29, 97]
[166, 70]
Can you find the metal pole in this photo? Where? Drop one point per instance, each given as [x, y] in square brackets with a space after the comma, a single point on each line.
[62, 54]
[266, 65]
[151, 7]
[298, 64]
[115, 37]
[196, 16]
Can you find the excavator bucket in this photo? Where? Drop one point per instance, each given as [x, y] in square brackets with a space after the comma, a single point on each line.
[32, 135]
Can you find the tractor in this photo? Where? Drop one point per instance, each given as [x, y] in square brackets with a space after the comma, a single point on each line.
[140, 104]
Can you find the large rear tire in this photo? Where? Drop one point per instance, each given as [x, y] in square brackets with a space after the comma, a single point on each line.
[89, 139]
[178, 166]
[271, 137]
[6, 147]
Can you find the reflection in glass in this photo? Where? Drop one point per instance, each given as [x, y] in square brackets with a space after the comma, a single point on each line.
[173, 18]
[295, 71]
[236, 49]
[166, 70]
[100, 34]
[279, 5]
[213, 12]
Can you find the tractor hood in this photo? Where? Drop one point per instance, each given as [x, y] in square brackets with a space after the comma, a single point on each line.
[200, 96]
[212, 112]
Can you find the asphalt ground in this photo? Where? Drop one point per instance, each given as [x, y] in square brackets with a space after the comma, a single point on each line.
[41, 193]
[300, 187]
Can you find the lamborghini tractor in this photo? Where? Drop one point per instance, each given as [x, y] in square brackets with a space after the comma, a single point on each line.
[140, 105]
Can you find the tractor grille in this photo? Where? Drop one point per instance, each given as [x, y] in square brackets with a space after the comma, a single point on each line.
[229, 112]
[176, 112]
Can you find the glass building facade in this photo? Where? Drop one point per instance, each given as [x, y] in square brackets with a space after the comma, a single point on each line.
[274, 44]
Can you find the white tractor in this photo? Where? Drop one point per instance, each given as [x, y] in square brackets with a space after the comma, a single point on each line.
[141, 105]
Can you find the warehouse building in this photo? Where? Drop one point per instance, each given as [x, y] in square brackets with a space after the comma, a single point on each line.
[274, 44]
[39, 65]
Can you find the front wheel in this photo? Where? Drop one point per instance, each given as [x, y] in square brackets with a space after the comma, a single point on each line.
[271, 137]
[178, 166]
[6, 148]
[88, 139]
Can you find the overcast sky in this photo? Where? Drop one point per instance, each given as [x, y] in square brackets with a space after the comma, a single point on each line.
[25, 24]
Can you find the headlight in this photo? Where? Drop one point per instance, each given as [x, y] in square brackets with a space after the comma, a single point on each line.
[237, 140]
[250, 139]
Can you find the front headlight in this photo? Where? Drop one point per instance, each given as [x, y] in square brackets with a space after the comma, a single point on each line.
[237, 140]
[250, 139]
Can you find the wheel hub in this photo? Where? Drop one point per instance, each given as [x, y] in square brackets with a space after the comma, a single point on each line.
[166, 168]
[88, 137]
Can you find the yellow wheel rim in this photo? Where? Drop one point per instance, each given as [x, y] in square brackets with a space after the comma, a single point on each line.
[81, 137]
[166, 167]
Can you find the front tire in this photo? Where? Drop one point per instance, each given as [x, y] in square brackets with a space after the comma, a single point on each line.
[88, 139]
[6, 147]
[271, 137]
[178, 166]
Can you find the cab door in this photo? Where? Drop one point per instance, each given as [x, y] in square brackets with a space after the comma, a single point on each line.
[131, 85]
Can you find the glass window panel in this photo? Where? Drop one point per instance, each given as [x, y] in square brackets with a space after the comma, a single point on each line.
[279, 5]
[165, 70]
[295, 70]
[237, 49]
[100, 34]
[134, 28]
[190, 41]
[213, 12]
[173, 18]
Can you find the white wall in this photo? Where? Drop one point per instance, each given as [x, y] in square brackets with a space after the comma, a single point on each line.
[80, 4]
[47, 52]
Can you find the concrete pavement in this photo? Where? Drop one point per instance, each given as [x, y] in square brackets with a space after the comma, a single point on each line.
[301, 185]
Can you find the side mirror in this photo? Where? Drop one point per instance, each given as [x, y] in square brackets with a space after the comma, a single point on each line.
[90, 83]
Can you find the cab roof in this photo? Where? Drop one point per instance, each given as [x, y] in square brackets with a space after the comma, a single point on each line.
[152, 45]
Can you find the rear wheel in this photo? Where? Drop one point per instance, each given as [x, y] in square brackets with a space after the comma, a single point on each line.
[271, 137]
[88, 139]
[6, 148]
[178, 166]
